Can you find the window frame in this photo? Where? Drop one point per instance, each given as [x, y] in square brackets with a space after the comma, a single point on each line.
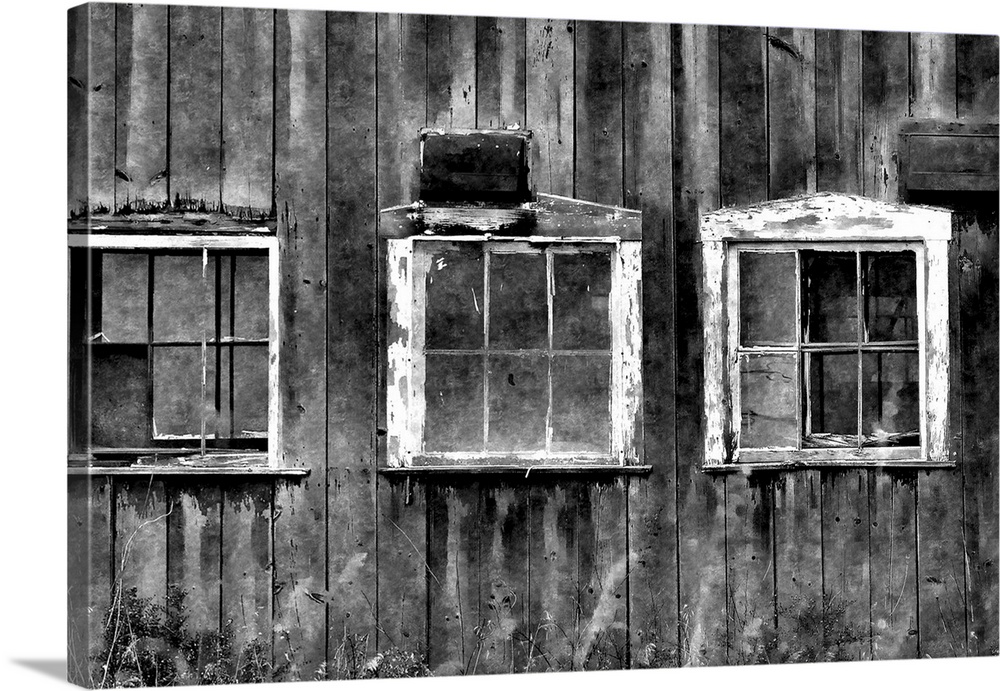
[825, 222]
[404, 388]
[250, 462]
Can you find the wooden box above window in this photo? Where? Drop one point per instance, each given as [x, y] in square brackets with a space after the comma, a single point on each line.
[947, 155]
[459, 166]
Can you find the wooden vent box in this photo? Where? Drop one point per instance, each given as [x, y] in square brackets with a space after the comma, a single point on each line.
[948, 155]
[475, 166]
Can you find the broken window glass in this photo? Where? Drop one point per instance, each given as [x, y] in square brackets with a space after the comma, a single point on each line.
[768, 402]
[891, 398]
[890, 296]
[829, 297]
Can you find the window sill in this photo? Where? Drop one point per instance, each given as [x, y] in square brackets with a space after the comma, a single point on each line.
[829, 464]
[254, 464]
[525, 470]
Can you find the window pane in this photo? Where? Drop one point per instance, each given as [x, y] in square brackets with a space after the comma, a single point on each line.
[891, 399]
[250, 298]
[518, 402]
[124, 297]
[767, 401]
[177, 402]
[453, 396]
[119, 410]
[180, 308]
[891, 296]
[831, 399]
[250, 392]
[454, 284]
[581, 402]
[829, 297]
[767, 298]
[519, 313]
[581, 299]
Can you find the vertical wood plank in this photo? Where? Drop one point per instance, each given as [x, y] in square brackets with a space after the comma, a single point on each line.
[91, 109]
[88, 587]
[598, 170]
[701, 498]
[451, 71]
[750, 600]
[742, 115]
[651, 502]
[932, 76]
[247, 112]
[141, 108]
[142, 511]
[246, 570]
[549, 102]
[300, 522]
[846, 584]
[838, 111]
[791, 65]
[885, 99]
[500, 71]
[976, 67]
[352, 340]
[893, 564]
[798, 567]
[402, 566]
[195, 107]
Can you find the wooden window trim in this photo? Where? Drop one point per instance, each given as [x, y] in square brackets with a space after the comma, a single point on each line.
[404, 391]
[828, 222]
[175, 461]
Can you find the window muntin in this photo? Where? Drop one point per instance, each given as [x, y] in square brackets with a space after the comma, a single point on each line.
[827, 347]
[171, 345]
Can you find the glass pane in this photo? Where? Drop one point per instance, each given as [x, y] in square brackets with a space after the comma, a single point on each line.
[181, 311]
[831, 399]
[250, 392]
[250, 297]
[177, 402]
[767, 298]
[891, 296]
[829, 297]
[453, 396]
[454, 284]
[124, 297]
[119, 407]
[581, 403]
[767, 401]
[518, 402]
[519, 312]
[891, 399]
[581, 300]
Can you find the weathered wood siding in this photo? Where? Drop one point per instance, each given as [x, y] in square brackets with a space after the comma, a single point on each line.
[312, 118]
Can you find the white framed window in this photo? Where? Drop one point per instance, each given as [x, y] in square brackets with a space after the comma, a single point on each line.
[826, 333]
[174, 350]
[508, 351]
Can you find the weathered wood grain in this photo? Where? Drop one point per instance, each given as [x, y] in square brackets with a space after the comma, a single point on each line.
[451, 71]
[838, 111]
[791, 104]
[597, 175]
[141, 514]
[846, 583]
[247, 112]
[500, 72]
[893, 563]
[300, 512]
[91, 109]
[89, 569]
[885, 99]
[402, 565]
[549, 102]
[743, 152]
[932, 76]
[976, 76]
[195, 155]
[701, 498]
[651, 502]
[351, 337]
[141, 108]
[751, 616]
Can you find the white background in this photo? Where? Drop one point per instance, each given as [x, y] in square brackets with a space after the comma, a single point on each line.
[33, 374]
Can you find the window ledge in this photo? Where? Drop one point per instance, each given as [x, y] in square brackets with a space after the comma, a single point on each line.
[255, 470]
[527, 471]
[875, 464]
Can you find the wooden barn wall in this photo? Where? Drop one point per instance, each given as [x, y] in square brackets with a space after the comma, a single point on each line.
[312, 118]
